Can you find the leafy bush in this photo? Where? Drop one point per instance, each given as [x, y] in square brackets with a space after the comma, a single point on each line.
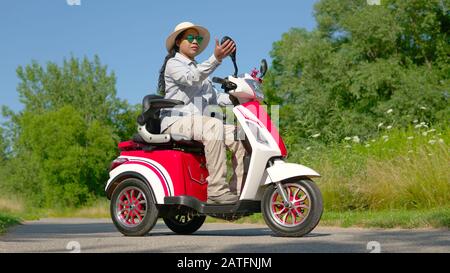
[61, 144]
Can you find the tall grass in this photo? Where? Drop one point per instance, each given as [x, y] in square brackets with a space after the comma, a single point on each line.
[18, 209]
[401, 169]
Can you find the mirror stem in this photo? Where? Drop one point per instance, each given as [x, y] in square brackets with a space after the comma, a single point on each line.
[235, 67]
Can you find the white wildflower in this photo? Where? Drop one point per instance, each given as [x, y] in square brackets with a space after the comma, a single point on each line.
[418, 126]
[389, 111]
[422, 123]
[415, 121]
[410, 137]
[385, 136]
[423, 108]
[373, 140]
[308, 148]
[316, 135]
[432, 141]
[356, 139]
[389, 127]
[441, 141]
[347, 138]
[424, 133]
[348, 146]
[367, 145]
[380, 124]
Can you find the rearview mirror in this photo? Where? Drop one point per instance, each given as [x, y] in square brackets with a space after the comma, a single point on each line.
[263, 68]
[232, 55]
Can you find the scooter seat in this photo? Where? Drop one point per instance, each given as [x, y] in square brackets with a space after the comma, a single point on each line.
[149, 127]
[175, 142]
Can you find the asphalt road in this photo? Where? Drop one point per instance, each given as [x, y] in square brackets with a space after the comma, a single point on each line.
[100, 235]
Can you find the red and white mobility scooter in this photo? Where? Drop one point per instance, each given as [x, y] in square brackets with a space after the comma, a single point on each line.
[159, 175]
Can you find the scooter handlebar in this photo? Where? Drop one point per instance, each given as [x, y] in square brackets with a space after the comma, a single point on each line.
[218, 80]
[226, 84]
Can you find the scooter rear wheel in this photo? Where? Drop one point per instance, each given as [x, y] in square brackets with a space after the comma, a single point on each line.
[301, 217]
[184, 223]
[133, 208]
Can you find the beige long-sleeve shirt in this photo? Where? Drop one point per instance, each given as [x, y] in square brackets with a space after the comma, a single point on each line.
[188, 81]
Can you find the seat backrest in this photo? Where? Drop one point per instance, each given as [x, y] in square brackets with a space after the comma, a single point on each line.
[152, 121]
[151, 107]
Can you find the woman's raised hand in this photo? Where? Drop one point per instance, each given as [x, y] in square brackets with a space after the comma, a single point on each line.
[223, 50]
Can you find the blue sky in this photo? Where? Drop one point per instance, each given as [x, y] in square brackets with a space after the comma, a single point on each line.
[129, 36]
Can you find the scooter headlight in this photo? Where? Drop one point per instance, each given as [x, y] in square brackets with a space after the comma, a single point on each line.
[256, 87]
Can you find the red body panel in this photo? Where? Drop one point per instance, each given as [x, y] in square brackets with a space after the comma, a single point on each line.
[264, 118]
[187, 171]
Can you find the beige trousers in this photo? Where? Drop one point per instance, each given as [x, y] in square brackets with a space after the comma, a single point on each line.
[216, 137]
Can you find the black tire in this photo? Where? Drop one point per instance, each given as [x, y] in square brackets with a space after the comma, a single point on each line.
[307, 224]
[184, 223]
[151, 211]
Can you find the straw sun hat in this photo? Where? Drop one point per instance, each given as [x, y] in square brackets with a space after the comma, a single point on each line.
[170, 42]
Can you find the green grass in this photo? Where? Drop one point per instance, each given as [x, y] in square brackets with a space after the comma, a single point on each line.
[407, 219]
[435, 218]
[98, 209]
[401, 169]
[13, 212]
[7, 220]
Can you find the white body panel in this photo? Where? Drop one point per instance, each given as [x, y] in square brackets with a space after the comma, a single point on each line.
[152, 176]
[281, 170]
[261, 152]
[247, 88]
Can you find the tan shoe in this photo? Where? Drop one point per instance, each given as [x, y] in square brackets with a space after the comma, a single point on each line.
[227, 198]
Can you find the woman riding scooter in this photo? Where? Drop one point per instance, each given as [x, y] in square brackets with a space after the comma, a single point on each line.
[182, 78]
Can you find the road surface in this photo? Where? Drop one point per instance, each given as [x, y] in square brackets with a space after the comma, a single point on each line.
[100, 235]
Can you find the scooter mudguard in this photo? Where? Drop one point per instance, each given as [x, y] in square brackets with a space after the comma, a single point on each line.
[166, 172]
[281, 170]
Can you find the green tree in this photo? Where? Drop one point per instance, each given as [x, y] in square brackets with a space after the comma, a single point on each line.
[85, 84]
[64, 139]
[73, 156]
[2, 146]
[343, 78]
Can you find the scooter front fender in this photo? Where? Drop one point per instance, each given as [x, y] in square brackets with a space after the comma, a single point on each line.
[281, 170]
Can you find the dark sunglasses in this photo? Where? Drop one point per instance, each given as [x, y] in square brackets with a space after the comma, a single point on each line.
[191, 38]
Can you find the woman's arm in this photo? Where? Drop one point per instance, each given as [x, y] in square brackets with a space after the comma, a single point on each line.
[182, 74]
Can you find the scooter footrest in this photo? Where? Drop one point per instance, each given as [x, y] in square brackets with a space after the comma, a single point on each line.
[240, 207]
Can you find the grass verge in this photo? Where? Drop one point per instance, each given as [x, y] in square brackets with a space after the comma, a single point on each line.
[408, 219]
[7, 220]
[98, 209]
[433, 218]
[13, 212]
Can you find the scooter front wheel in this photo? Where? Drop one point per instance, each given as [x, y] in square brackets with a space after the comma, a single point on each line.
[133, 208]
[300, 216]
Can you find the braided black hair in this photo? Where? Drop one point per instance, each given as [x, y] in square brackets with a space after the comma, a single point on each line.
[171, 54]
